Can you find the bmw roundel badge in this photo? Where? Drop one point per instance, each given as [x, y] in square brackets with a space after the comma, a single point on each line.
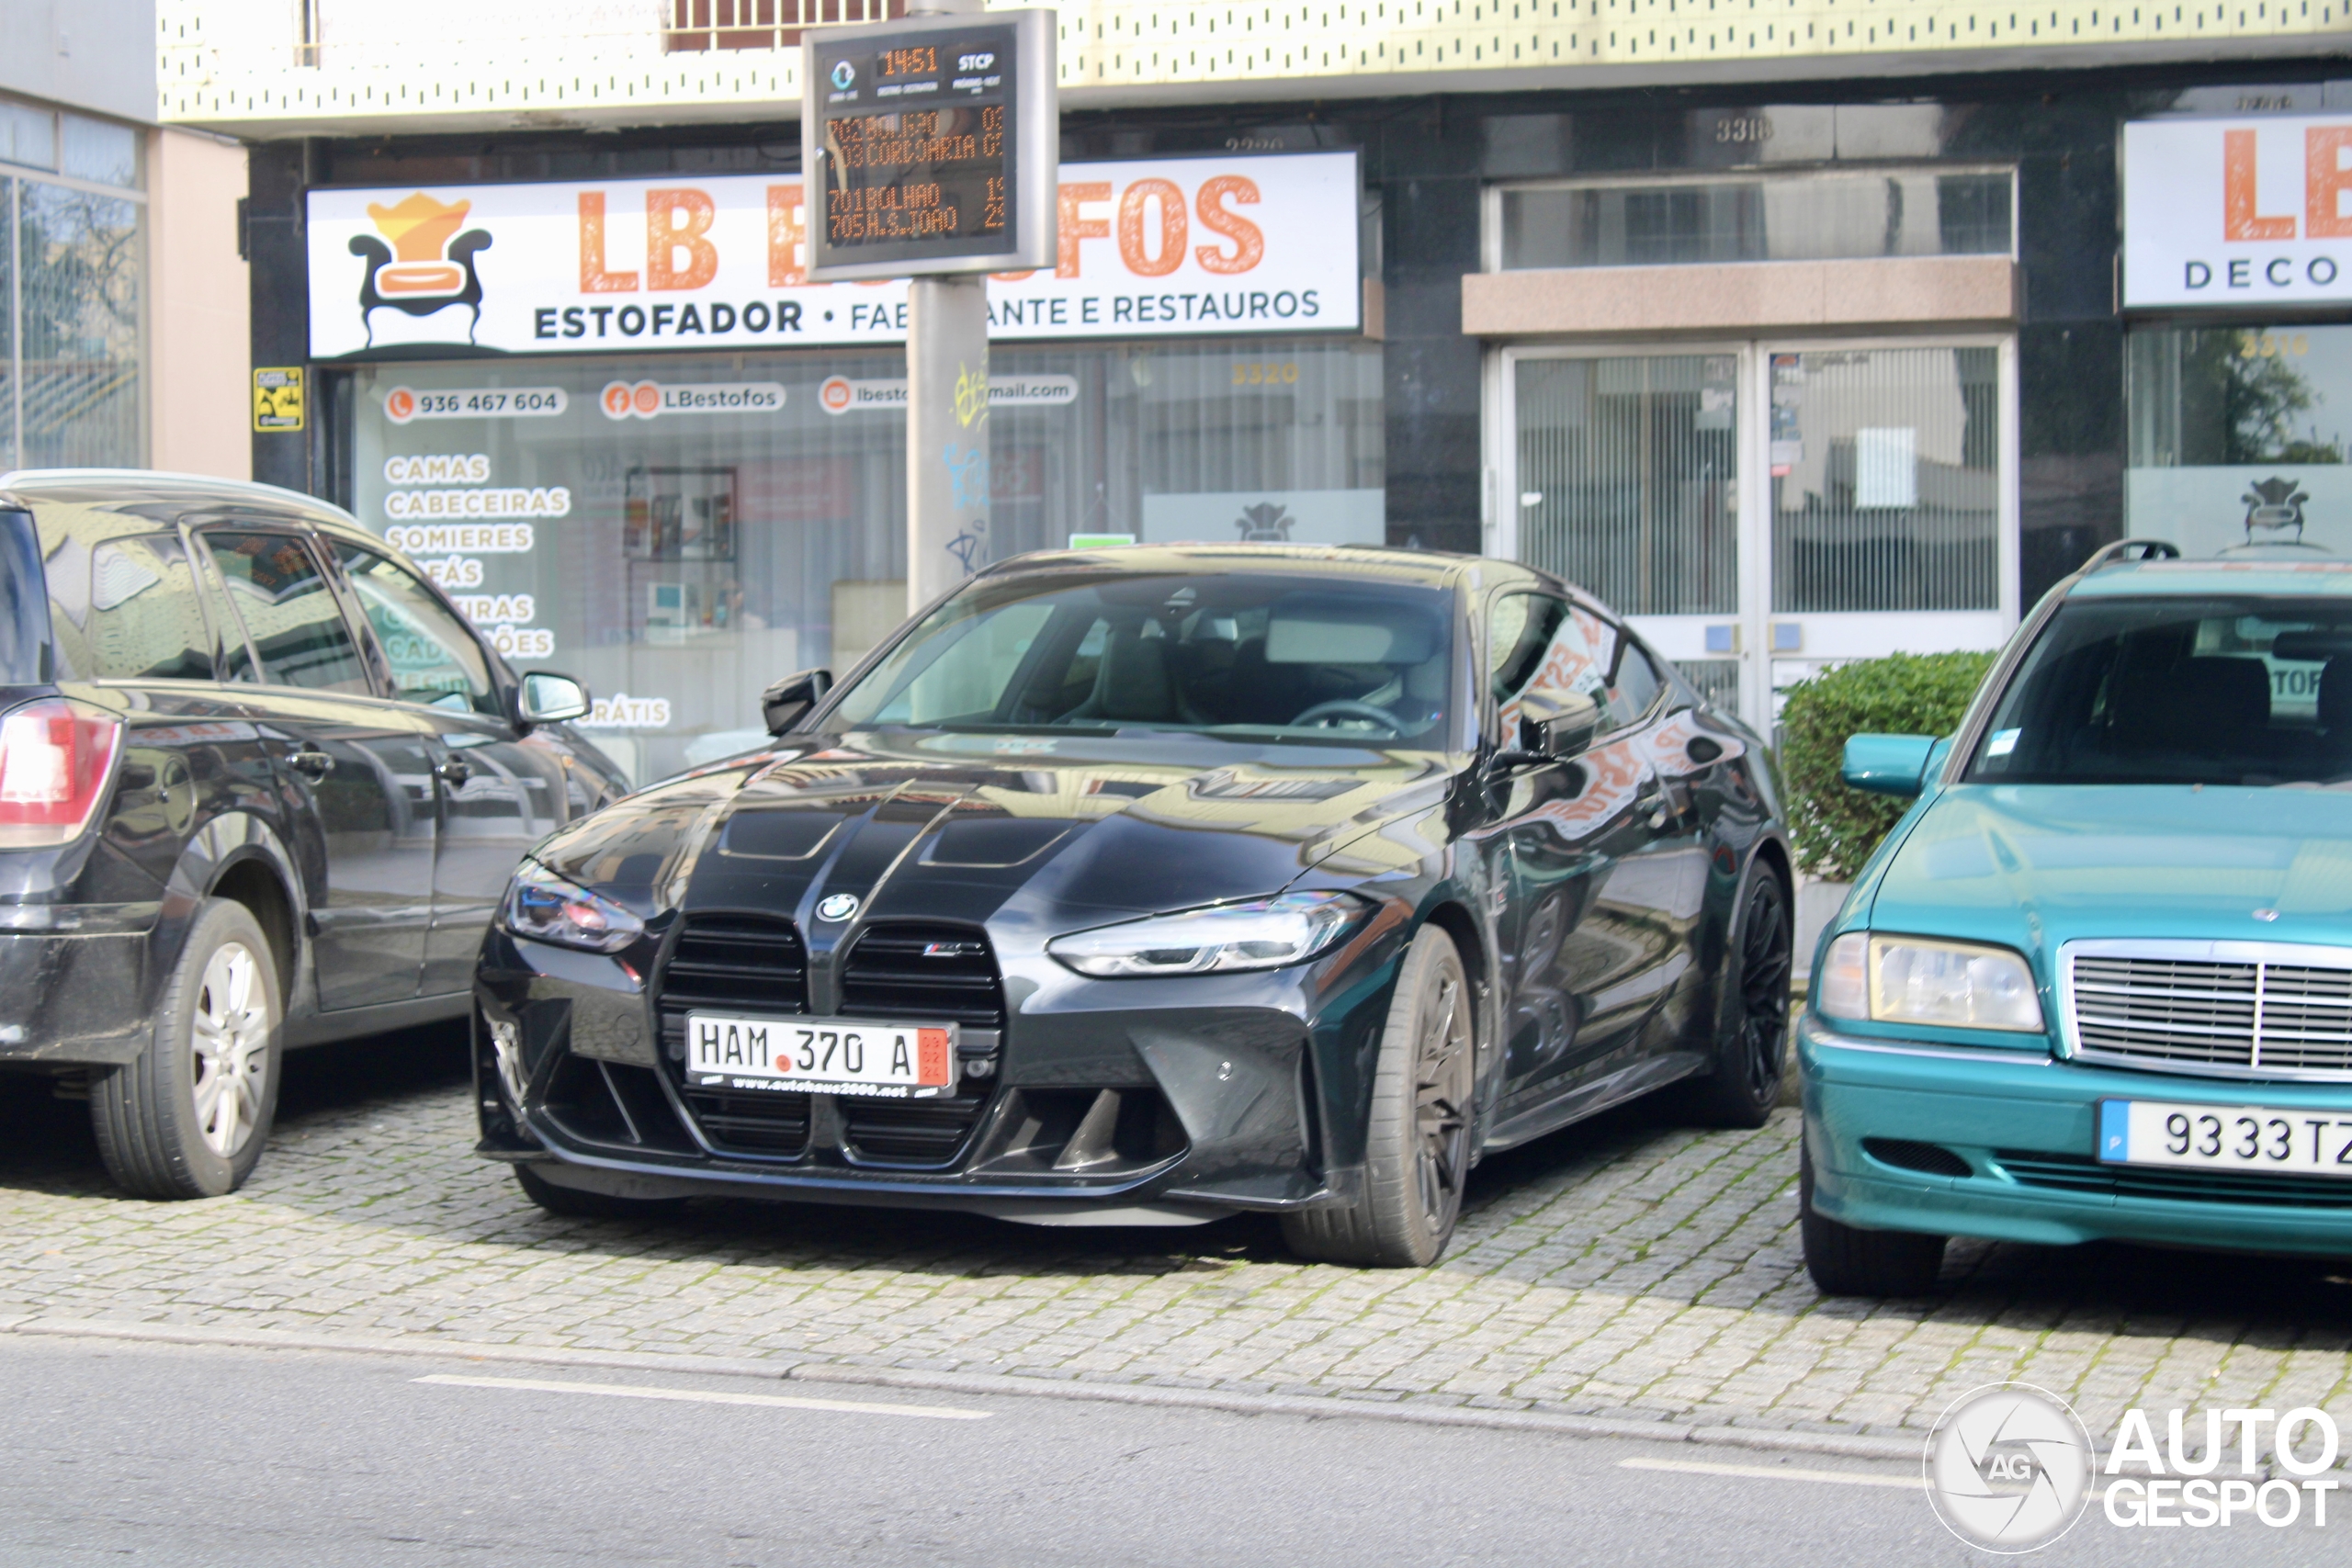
[837, 906]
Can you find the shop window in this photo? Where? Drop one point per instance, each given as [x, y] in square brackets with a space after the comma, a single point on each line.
[1824, 217]
[681, 563]
[71, 369]
[2238, 437]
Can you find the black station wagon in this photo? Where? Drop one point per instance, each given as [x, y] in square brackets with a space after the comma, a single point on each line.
[261, 787]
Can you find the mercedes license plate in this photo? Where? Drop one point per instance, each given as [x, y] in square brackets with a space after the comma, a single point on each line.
[824, 1055]
[2224, 1137]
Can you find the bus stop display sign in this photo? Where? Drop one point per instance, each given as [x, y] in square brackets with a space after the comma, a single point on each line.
[929, 146]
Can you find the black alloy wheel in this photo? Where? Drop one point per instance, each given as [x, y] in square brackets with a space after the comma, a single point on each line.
[1753, 1023]
[1417, 1137]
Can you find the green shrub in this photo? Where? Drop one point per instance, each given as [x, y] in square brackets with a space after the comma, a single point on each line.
[1908, 693]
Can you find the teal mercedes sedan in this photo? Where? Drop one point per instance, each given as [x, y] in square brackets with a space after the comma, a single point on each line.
[2097, 984]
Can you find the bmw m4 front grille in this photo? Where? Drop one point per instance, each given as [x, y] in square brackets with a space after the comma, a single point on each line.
[2235, 1010]
[925, 972]
[736, 964]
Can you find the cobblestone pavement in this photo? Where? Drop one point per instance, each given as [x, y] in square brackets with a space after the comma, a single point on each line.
[1626, 1266]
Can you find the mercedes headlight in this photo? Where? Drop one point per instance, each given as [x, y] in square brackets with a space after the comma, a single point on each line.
[1955, 985]
[547, 908]
[1265, 933]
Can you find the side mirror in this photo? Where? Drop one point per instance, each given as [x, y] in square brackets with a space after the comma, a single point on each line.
[782, 704]
[1556, 723]
[545, 697]
[1888, 764]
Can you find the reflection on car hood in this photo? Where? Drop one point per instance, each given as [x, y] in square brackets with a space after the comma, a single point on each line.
[2033, 866]
[1065, 833]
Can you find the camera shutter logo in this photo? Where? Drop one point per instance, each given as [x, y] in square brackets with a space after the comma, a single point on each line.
[2009, 1468]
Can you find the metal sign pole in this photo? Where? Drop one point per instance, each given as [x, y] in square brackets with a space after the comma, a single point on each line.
[930, 147]
[948, 415]
[947, 434]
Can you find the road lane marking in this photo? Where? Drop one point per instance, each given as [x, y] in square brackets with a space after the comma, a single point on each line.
[709, 1396]
[1787, 1473]
[1771, 1472]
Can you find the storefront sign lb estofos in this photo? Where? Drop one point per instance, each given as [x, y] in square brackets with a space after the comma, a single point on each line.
[1183, 247]
[2237, 214]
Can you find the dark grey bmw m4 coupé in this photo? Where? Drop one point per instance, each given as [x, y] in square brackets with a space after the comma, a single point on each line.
[1146, 886]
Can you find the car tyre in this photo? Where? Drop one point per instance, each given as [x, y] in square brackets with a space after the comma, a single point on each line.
[1417, 1148]
[1847, 1261]
[572, 1204]
[190, 1116]
[1752, 1020]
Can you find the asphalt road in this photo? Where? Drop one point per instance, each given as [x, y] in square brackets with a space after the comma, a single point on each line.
[212, 1456]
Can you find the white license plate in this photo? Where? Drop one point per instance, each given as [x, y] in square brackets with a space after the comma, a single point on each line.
[2224, 1137]
[824, 1055]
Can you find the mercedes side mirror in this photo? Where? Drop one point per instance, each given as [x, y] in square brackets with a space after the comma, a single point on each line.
[782, 704]
[1887, 765]
[1555, 723]
[545, 697]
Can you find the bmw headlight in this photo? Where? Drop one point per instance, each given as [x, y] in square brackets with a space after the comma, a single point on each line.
[1265, 933]
[1904, 979]
[547, 908]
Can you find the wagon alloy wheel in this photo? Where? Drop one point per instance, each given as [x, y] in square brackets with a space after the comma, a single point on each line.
[1441, 1102]
[230, 1042]
[1417, 1127]
[1765, 944]
[189, 1117]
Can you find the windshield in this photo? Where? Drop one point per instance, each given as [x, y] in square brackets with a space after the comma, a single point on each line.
[2252, 691]
[1255, 655]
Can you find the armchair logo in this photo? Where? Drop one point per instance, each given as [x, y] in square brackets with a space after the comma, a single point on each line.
[418, 263]
[2274, 506]
[1269, 522]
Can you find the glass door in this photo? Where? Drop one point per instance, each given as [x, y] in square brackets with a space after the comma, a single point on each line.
[1892, 525]
[1761, 511]
[1624, 479]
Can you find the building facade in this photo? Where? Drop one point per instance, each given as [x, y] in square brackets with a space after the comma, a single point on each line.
[122, 297]
[1798, 338]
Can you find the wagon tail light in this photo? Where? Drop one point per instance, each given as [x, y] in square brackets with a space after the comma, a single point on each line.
[55, 757]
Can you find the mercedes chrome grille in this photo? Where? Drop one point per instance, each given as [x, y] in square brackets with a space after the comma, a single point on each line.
[2245, 1009]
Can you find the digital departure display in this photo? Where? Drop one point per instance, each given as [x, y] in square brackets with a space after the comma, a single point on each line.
[913, 138]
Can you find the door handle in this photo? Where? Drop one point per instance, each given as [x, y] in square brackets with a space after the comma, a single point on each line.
[453, 772]
[311, 762]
